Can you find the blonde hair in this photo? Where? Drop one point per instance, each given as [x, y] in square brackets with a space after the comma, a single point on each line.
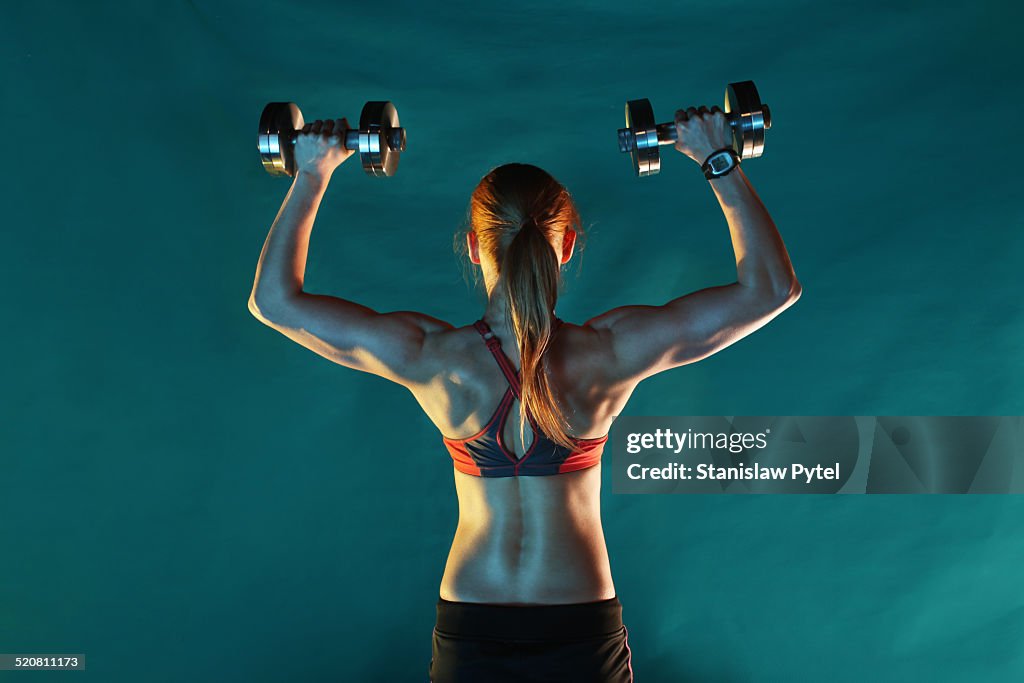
[515, 211]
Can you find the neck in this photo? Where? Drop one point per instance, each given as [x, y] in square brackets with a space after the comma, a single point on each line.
[496, 311]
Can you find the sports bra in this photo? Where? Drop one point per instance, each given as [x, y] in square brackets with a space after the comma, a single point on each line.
[484, 454]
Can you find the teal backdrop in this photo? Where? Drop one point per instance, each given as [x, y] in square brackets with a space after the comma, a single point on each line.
[187, 495]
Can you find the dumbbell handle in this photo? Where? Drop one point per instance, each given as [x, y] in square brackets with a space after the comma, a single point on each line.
[396, 139]
[668, 134]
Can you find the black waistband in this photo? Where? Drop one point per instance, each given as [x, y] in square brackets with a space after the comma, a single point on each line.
[529, 622]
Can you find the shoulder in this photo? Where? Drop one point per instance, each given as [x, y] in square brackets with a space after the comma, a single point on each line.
[591, 337]
[580, 350]
[420, 321]
[444, 337]
[451, 348]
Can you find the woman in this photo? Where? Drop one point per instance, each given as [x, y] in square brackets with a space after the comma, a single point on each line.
[527, 591]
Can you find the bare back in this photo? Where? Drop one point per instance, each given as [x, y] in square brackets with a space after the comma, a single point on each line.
[531, 539]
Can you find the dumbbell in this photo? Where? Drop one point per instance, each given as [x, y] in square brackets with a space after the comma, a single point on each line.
[379, 139]
[747, 117]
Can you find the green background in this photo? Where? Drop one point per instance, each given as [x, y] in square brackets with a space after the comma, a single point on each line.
[187, 495]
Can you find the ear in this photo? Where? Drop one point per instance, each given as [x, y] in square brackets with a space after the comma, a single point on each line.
[568, 244]
[474, 247]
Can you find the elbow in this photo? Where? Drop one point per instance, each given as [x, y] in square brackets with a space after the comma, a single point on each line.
[787, 297]
[270, 309]
[794, 292]
[259, 308]
[254, 307]
[269, 301]
[781, 296]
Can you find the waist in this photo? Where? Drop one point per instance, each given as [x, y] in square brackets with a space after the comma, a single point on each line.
[529, 622]
[505, 568]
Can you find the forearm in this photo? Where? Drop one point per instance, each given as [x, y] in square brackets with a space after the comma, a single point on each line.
[762, 262]
[282, 265]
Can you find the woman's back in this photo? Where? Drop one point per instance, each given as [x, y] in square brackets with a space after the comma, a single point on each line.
[523, 539]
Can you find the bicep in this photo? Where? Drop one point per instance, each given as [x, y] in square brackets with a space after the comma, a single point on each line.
[390, 345]
[646, 340]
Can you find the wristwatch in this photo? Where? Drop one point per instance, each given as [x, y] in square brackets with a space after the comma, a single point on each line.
[720, 163]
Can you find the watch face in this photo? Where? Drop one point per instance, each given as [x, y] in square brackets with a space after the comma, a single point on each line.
[721, 162]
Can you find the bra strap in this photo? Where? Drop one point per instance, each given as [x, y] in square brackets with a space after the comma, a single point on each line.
[494, 345]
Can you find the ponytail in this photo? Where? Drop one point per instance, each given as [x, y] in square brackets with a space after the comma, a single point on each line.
[517, 211]
[530, 270]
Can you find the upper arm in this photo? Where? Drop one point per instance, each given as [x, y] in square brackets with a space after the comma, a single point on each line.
[644, 340]
[391, 345]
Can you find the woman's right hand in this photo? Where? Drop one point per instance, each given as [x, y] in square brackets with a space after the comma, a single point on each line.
[701, 132]
[319, 147]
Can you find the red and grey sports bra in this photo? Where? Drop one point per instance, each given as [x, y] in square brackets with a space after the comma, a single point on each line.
[484, 454]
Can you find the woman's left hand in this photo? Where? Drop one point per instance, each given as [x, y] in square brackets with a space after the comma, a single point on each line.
[319, 147]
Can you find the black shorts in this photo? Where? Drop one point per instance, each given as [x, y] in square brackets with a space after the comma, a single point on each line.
[577, 643]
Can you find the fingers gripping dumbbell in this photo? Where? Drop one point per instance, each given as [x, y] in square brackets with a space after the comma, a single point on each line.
[379, 139]
[747, 116]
